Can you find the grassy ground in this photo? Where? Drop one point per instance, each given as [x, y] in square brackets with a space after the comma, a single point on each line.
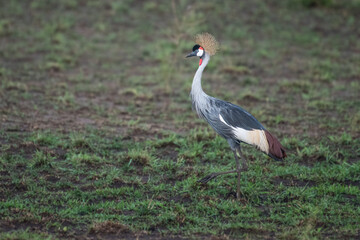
[98, 139]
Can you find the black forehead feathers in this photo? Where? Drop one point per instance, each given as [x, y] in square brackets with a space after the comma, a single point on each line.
[196, 47]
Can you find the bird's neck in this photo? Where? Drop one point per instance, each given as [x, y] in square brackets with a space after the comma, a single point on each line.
[196, 89]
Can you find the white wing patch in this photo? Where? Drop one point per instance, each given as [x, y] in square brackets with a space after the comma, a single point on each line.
[254, 137]
[221, 119]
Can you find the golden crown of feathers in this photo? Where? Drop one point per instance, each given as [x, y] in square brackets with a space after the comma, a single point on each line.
[208, 42]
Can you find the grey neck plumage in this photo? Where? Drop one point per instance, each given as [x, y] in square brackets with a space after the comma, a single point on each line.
[198, 96]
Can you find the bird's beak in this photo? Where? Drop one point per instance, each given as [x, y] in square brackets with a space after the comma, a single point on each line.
[192, 54]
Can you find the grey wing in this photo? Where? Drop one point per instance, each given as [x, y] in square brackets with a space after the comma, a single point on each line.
[238, 117]
[212, 117]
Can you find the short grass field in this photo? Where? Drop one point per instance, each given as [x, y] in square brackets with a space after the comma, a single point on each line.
[98, 139]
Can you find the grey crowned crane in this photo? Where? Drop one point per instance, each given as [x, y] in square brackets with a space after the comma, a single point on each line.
[229, 120]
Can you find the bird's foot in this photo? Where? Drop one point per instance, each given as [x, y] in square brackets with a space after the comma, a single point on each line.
[214, 175]
[208, 178]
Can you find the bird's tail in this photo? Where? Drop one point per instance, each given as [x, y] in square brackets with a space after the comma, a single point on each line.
[276, 150]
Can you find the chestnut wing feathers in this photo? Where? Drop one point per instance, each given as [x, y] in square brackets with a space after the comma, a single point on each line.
[239, 118]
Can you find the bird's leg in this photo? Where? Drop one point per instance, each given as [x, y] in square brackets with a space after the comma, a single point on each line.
[244, 161]
[238, 170]
[214, 175]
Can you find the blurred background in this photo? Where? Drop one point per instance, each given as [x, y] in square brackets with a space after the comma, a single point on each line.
[73, 63]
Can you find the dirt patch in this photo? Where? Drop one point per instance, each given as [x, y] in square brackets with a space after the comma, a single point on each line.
[59, 153]
[350, 198]
[183, 198]
[311, 161]
[4, 173]
[167, 151]
[115, 230]
[139, 134]
[109, 227]
[6, 226]
[118, 183]
[352, 183]
[27, 148]
[353, 160]
[232, 195]
[88, 188]
[293, 182]
[348, 182]
[52, 178]
[15, 187]
[254, 232]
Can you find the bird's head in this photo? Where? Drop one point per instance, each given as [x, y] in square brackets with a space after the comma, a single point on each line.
[197, 51]
[204, 42]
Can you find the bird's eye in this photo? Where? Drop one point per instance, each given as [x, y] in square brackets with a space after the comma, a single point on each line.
[197, 46]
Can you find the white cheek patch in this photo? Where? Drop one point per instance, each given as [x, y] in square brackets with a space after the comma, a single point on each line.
[200, 52]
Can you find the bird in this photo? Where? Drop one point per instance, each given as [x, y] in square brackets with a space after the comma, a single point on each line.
[230, 121]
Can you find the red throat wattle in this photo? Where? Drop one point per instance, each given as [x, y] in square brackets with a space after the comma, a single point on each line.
[200, 62]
